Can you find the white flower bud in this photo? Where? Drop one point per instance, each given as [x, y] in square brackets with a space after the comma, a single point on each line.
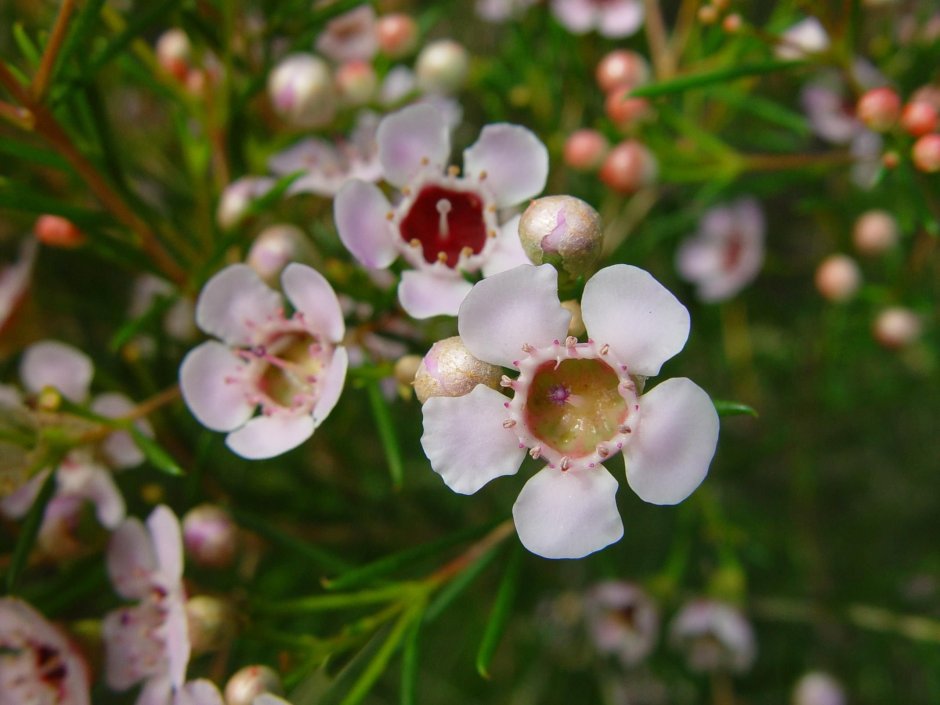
[449, 370]
[563, 231]
[838, 278]
[174, 53]
[897, 327]
[442, 67]
[301, 91]
[817, 688]
[875, 232]
[210, 536]
[273, 249]
[250, 682]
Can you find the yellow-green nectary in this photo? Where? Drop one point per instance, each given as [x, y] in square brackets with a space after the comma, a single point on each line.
[563, 231]
[449, 370]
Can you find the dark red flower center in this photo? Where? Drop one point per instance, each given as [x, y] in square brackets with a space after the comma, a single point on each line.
[445, 222]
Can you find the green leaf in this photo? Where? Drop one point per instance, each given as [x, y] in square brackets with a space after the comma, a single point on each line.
[733, 408]
[456, 586]
[154, 453]
[684, 83]
[30, 531]
[383, 419]
[81, 27]
[409, 666]
[325, 603]
[766, 109]
[25, 43]
[149, 14]
[32, 154]
[499, 615]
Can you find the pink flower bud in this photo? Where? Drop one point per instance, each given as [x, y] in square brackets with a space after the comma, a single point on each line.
[442, 67]
[273, 249]
[818, 688]
[919, 118]
[55, 231]
[356, 82]
[450, 370]
[879, 109]
[629, 167]
[210, 536]
[926, 153]
[563, 231]
[838, 278]
[875, 232]
[897, 327]
[250, 682]
[731, 23]
[624, 110]
[397, 35]
[585, 149]
[301, 91]
[622, 67]
[174, 53]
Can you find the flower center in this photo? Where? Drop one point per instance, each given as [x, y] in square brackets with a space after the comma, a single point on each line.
[734, 250]
[445, 223]
[289, 369]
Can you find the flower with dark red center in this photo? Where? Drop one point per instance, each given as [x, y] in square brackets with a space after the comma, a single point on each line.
[445, 224]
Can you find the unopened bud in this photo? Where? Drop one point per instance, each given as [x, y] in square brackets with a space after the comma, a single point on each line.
[56, 231]
[926, 153]
[576, 325]
[397, 35]
[818, 688]
[301, 91]
[838, 278]
[585, 149]
[356, 82]
[874, 233]
[237, 197]
[273, 249]
[732, 23]
[879, 109]
[563, 231]
[897, 327]
[211, 623]
[919, 118]
[210, 536]
[250, 682]
[620, 68]
[442, 67]
[708, 14]
[629, 167]
[406, 367]
[623, 110]
[174, 53]
[450, 370]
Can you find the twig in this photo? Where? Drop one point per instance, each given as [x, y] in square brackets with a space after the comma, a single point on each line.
[658, 40]
[453, 568]
[40, 82]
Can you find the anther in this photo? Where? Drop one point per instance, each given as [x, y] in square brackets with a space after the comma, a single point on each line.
[482, 175]
[603, 451]
[414, 242]
[467, 251]
[623, 428]
[527, 349]
[491, 233]
[535, 452]
[406, 191]
[453, 170]
[509, 423]
[505, 381]
[441, 256]
[605, 348]
[570, 341]
[425, 161]
[565, 464]
[390, 215]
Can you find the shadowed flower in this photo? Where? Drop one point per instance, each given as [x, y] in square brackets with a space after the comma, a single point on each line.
[351, 36]
[714, 636]
[622, 620]
[611, 18]
[292, 369]
[574, 405]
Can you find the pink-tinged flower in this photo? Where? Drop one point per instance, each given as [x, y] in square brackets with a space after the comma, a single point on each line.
[199, 692]
[14, 280]
[148, 642]
[622, 620]
[611, 18]
[802, 39]
[291, 369]
[38, 665]
[714, 636]
[727, 252]
[818, 688]
[574, 405]
[444, 224]
[351, 36]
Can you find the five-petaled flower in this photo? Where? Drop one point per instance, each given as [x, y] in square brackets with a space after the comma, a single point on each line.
[291, 368]
[444, 223]
[575, 405]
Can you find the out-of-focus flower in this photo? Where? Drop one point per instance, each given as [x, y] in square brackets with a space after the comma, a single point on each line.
[301, 90]
[350, 37]
[575, 405]
[56, 231]
[628, 167]
[897, 327]
[623, 110]
[210, 536]
[14, 280]
[497, 11]
[875, 232]
[238, 196]
[585, 149]
[293, 369]
[38, 665]
[838, 278]
[727, 252]
[441, 67]
[211, 623]
[444, 224]
[714, 636]
[818, 688]
[356, 82]
[179, 321]
[397, 34]
[802, 39]
[611, 18]
[174, 53]
[919, 118]
[622, 620]
[199, 692]
[273, 249]
[148, 642]
[250, 684]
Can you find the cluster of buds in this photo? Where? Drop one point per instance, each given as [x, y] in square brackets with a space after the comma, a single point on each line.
[711, 12]
[882, 110]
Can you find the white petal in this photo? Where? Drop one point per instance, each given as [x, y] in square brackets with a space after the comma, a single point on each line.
[506, 251]
[334, 377]
[425, 294]
[312, 295]
[54, 364]
[268, 436]
[621, 18]
[669, 455]
[637, 316]
[411, 140]
[156, 691]
[465, 440]
[568, 514]
[18, 502]
[361, 213]
[209, 387]
[119, 448]
[107, 498]
[176, 638]
[268, 699]
[510, 309]
[514, 160]
[199, 692]
[234, 302]
[167, 542]
[131, 559]
[577, 16]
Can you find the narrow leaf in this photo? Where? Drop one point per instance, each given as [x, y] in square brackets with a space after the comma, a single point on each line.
[409, 665]
[25, 44]
[684, 83]
[499, 615]
[299, 548]
[154, 453]
[733, 408]
[456, 586]
[383, 419]
[30, 531]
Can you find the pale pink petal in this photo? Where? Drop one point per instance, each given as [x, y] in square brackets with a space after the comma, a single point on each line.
[624, 307]
[669, 455]
[119, 448]
[512, 309]
[167, 542]
[268, 699]
[506, 251]
[511, 161]
[411, 140]
[17, 503]
[312, 296]
[209, 385]
[568, 514]
[805, 37]
[425, 294]
[350, 37]
[121, 634]
[361, 214]
[100, 489]
[176, 637]
[268, 436]
[54, 364]
[131, 559]
[156, 691]
[331, 386]
[234, 303]
[465, 440]
[620, 18]
[697, 259]
[199, 692]
[577, 16]
[15, 278]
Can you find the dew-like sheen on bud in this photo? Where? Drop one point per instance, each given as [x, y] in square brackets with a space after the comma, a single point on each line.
[450, 370]
[563, 231]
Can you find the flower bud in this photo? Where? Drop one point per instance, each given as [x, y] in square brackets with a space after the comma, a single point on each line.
[879, 109]
[397, 35]
[450, 370]
[442, 67]
[563, 231]
[273, 249]
[629, 167]
[55, 231]
[406, 367]
[708, 14]
[623, 110]
[926, 153]
[211, 623]
[585, 149]
[838, 278]
[897, 327]
[875, 232]
[919, 118]
[576, 324]
[731, 23]
[174, 53]
[237, 197]
[356, 82]
[210, 536]
[301, 91]
[817, 688]
[620, 68]
[250, 682]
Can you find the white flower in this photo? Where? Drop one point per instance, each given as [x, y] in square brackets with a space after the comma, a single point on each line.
[292, 369]
[148, 642]
[351, 36]
[622, 620]
[805, 37]
[38, 666]
[714, 636]
[575, 405]
[444, 224]
[727, 252]
[611, 18]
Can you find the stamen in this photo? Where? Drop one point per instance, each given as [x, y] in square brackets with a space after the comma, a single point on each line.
[570, 341]
[605, 348]
[623, 428]
[603, 451]
[565, 464]
[509, 423]
[453, 170]
[425, 161]
[505, 381]
[443, 208]
[535, 452]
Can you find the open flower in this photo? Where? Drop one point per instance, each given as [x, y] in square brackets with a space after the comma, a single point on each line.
[38, 666]
[148, 642]
[727, 252]
[574, 405]
[444, 224]
[612, 18]
[714, 636]
[622, 620]
[291, 368]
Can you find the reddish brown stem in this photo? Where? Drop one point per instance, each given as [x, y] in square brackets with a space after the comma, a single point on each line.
[51, 52]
